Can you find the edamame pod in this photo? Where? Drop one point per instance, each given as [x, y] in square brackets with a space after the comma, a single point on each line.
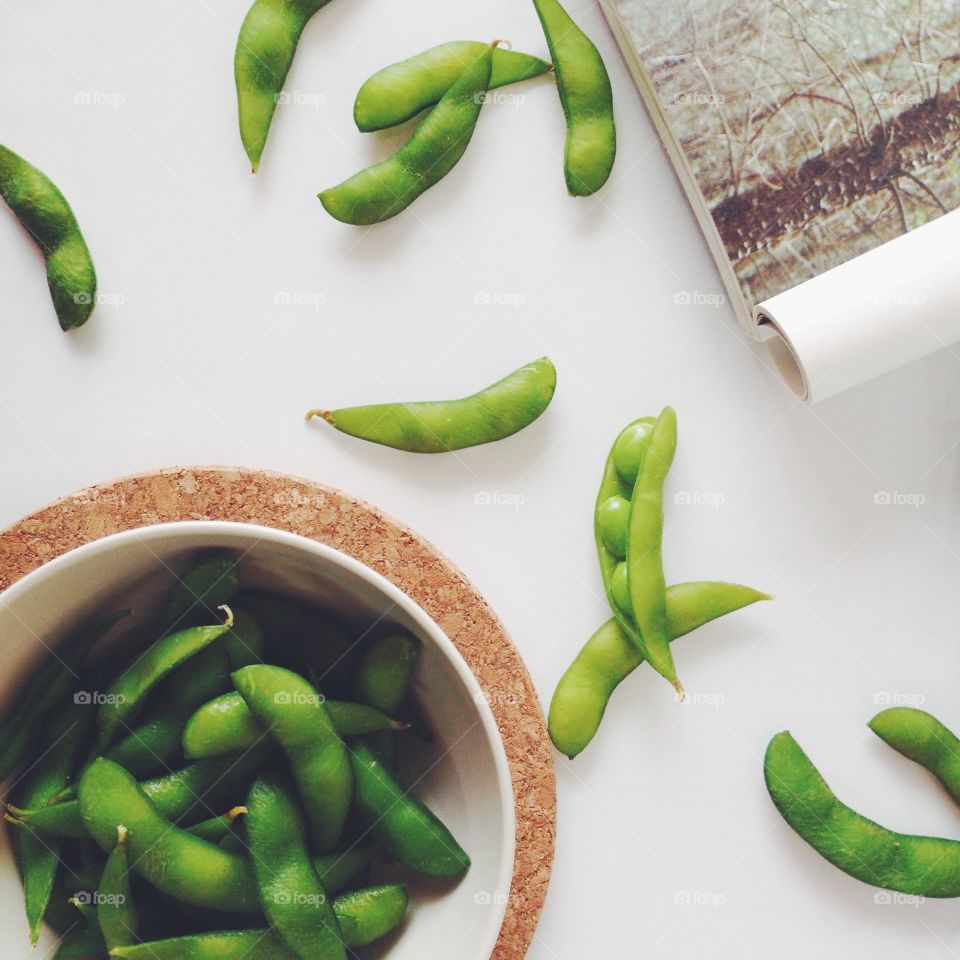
[126, 694]
[66, 736]
[611, 522]
[587, 100]
[295, 715]
[180, 865]
[202, 590]
[403, 89]
[401, 824]
[44, 213]
[923, 866]
[50, 684]
[439, 426]
[337, 871]
[292, 897]
[363, 915]
[921, 737]
[383, 677]
[226, 725]
[184, 796]
[116, 914]
[265, 48]
[156, 743]
[387, 188]
[645, 578]
[608, 657]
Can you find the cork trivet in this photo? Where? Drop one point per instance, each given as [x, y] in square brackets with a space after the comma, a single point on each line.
[399, 554]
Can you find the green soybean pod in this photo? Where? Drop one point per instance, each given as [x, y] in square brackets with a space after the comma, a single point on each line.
[226, 725]
[400, 823]
[291, 894]
[216, 828]
[369, 914]
[50, 684]
[116, 913]
[337, 871]
[66, 735]
[918, 865]
[183, 796]
[384, 674]
[202, 590]
[126, 694]
[921, 737]
[156, 743]
[294, 713]
[180, 865]
[611, 519]
[586, 97]
[439, 426]
[364, 916]
[436, 146]
[645, 577]
[608, 657]
[400, 91]
[266, 46]
[44, 213]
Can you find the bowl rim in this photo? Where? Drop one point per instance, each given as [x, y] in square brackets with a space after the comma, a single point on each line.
[198, 529]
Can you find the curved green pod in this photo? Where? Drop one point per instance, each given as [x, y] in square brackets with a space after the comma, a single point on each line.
[175, 862]
[908, 863]
[608, 657]
[586, 97]
[364, 916]
[401, 824]
[439, 426]
[400, 91]
[921, 737]
[266, 46]
[45, 214]
[436, 146]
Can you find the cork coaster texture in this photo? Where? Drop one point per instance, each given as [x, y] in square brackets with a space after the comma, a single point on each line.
[362, 531]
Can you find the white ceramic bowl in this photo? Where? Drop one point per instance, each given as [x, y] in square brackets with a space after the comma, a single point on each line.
[466, 780]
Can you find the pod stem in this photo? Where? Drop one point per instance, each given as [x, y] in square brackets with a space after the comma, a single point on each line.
[228, 613]
[323, 414]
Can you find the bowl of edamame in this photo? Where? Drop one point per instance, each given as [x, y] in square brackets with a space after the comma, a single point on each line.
[224, 740]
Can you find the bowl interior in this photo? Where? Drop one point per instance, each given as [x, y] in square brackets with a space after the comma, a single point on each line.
[463, 775]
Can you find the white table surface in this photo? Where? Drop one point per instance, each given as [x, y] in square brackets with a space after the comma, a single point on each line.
[195, 359]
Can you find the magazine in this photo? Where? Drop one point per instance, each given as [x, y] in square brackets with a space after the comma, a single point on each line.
[808, 136]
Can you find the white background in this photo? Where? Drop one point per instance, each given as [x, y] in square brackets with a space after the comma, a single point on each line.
[201, 364]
